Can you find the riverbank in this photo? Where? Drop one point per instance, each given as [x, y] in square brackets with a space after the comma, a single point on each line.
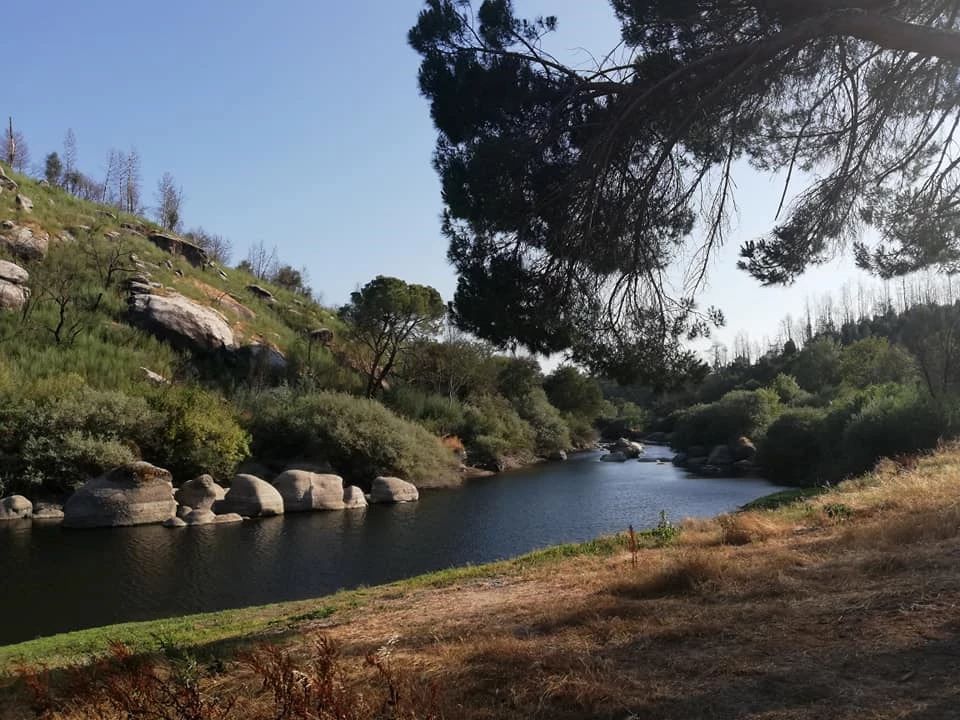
[841, 605]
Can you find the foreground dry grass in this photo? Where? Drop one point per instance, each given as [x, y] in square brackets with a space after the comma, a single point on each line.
[843, 606]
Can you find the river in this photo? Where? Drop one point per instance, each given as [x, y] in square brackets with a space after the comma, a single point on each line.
[56, 580]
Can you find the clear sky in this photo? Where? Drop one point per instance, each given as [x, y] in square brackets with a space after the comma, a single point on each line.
[298, 123]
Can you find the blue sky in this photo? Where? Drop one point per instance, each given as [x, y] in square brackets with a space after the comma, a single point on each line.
[298, 123]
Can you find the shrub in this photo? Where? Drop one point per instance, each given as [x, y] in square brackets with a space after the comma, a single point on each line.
[494, 430]
[360, 438]
[891, 425]
[200, 433]
[786, 388]
[793, 447]
[549, 428]
[437, 413]
[738, 413]
[55, 433]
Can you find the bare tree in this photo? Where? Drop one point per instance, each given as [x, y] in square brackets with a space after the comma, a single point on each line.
[111, 177]
[130, 173]
[262, 263]
[69, 153]
[15, 149]
[218, 247]
[169, 203]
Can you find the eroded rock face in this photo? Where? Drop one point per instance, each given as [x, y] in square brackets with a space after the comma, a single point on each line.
[134, 494]
[200, 493]
[180, 320]
[15, 507]
[353, 498]
[249, 496]
[304, 491]
[192, 253]
[24, 242]
[393, 490]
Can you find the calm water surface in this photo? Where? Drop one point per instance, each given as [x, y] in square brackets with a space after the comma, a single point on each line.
[56, 580]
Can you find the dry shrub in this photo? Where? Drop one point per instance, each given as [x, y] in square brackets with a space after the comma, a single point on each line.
[897, 531]
[749, 527]
[687, 571]
[700, 532]
[125, 685]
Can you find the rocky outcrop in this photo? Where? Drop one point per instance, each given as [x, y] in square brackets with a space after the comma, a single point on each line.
[262, 293]
[191, 252]
[249, 496]
[322, 336]
[303, 491]
[134, 494]
[15, 507]
[24, 203]
[353, 498]
[558, 456]
[393, 490]
[180, 320]
[200, 493]
[155, 378]
[261, 355]
[7, 183]
[13, 290]
[24, 242]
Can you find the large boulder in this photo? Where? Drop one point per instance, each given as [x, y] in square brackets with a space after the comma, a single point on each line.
[12, 296]
[720, 455]
[393, 490]
[24, 203]
[46, 511]
[15, 507]
[262, 293]
[630, 449]
[180, 320]
[249, 496]
[303, 491]
[134, 494]
[13, 273]
[200, 493]
[23, 242]
[353, 498]
[744, 449]
[191, 252]
[615, 456]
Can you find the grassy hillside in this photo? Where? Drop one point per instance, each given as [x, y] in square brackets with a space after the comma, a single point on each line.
[839, 605]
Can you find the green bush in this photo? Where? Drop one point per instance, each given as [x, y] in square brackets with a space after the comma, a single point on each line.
[437, 413]
[792, 450]
[494, 430]
[738, 413]
[550, 430]
[200, 433]
[361, 438]
[55, 433]
[889, 426]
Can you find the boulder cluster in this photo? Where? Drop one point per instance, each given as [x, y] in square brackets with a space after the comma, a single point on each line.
[140, 493]
[738, 458]
[623, 450]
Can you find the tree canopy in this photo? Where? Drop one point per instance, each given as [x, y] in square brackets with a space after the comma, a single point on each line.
[386, 316]
[575, 197]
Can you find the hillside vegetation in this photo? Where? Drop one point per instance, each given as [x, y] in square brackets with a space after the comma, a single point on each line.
[92, 374]
[837, 605]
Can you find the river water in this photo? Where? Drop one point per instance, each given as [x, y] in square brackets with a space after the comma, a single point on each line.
[55, 580]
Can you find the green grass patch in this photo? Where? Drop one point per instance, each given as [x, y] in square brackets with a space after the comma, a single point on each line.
[785, 497]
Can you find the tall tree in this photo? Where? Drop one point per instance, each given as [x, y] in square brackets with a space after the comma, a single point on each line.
[571, 192]
[169, 203]
[69, 152]
[53, 169]
[386, 317]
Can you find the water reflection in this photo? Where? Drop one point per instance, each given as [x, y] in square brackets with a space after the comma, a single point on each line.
[57, 580]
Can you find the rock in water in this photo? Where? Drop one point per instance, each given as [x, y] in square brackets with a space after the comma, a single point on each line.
[134, 494]
[249, 496]
[720, 455]
[200, 493]
[393, 490]
[44, 511]
[353, 498]
[614, 457]
[181, 321]
[303, 491]
[15, 507]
